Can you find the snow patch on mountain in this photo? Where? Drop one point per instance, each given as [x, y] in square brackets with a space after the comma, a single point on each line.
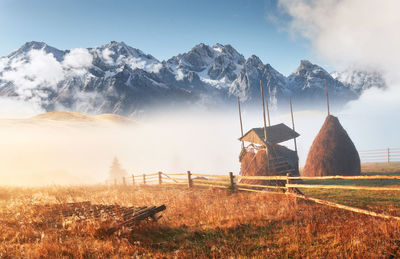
[217, 66]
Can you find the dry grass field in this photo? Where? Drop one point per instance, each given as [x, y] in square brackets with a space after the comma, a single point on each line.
[198, 223]
[380, 168]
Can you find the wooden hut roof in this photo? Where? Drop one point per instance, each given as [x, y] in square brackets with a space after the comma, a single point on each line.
[275, 134]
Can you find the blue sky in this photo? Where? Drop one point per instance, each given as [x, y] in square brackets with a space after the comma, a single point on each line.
[162, 28]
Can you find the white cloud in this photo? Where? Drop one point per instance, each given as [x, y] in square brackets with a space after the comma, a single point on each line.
[32, 74]
[78, 58]
[372, 120]
[155, 67]
[179, 76]
[361, 34]
[77, 61]
[42, 69]
[350, 32]
[3, 63]
[132, 62]
[106, 54]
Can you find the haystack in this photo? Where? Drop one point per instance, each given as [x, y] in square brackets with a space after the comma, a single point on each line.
[265, 157]
[281, 161]
[332, 152]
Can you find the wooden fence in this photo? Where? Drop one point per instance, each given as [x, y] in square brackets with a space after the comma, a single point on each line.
[235, 182]
[282, 185]
[380, 155]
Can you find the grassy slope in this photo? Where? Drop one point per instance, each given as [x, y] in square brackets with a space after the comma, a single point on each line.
[200, 223]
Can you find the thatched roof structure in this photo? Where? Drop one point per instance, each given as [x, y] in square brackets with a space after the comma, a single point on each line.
[275, 134]
[332, 152]
[268, 158]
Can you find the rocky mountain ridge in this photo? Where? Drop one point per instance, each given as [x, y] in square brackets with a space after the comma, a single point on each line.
[117, 78]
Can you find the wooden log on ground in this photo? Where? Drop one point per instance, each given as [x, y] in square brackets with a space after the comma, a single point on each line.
[140, 215]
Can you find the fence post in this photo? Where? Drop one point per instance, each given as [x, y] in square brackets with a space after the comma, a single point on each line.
[159, 178]
[133, 180]
[189, 175]
[123, 181]
[288, 182]
[232, 181]
[144, 178]
[388, 155]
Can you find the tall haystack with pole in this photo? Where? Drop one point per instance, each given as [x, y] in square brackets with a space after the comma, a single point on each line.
[264, 156]
[332, 152]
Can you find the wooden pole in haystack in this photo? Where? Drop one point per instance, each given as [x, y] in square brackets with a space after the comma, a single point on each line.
[269, 120]
[240, 119]
[265, 124]
[327, 99]
[291, 112]
[133, 180]
[263, 105]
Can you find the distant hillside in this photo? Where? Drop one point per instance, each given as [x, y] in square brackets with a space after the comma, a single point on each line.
[71, 118]
[80, 117]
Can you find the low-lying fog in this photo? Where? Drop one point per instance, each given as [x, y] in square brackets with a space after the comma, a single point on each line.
[52, 152]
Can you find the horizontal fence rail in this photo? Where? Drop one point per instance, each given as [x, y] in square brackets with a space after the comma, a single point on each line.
[344, 187]
[386, 155]
[282, 184]
[252, 183]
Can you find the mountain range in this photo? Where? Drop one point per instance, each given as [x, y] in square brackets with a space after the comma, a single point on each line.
[116, 78]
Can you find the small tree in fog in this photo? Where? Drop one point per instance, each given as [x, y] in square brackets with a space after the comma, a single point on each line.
[116, 172]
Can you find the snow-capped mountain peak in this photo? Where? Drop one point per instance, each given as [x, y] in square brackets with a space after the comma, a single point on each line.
[309, 83]
[114, 55]
[309, 69]
[39, 46]
[218, 65]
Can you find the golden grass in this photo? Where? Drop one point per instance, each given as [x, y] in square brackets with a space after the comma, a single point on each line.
[198, 223]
